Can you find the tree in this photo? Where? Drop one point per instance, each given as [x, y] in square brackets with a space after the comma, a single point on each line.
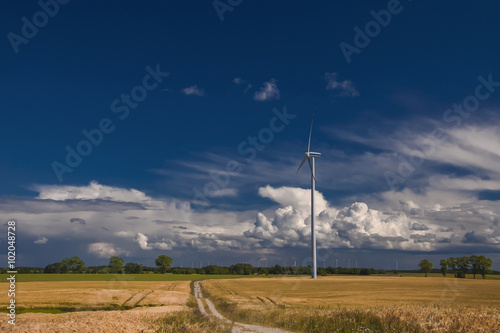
[452, 266]
[52, 268]
[163, 262]
[116, 264]
[463, 264]
[133, 268]
[474, 265]
[444, 266]
[73, 264]
[484, 266]
[425, 266]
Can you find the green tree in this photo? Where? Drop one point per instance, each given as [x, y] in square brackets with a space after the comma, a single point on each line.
[444, 266]
[425, 266]
[116, 264]
[484, 266]
[474, 265]
[133, 268]
[452, 266]
[73, 264]
[52, 268]
[163, 262]
[463, 264]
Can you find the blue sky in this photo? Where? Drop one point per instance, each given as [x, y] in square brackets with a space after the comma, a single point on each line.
[200, 111]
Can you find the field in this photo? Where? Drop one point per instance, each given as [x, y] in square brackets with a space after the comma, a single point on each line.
[364, 304]
[148, 301]
[114, 277]
[164, 303]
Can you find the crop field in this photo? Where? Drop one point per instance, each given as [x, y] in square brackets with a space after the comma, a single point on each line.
[146, 303]
[130, 303]
[114, 277]
[361, 303]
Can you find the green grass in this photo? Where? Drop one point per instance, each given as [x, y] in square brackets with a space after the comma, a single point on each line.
[174, 277]
[191, 321]
[116, 277]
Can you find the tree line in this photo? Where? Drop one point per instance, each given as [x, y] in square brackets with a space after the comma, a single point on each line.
[460, 266]
[116, 265]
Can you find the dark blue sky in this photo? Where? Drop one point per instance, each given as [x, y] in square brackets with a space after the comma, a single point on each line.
[225, 78]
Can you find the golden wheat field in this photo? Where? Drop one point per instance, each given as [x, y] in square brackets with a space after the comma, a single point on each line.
[297, 304]
[141, 304]
[406, 304]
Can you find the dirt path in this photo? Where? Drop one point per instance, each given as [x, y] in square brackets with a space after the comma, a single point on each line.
[239, 327]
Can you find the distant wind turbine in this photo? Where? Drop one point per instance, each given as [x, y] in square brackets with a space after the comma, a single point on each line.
[310, 156]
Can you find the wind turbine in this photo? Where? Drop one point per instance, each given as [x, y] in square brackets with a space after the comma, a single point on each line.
[310, 156]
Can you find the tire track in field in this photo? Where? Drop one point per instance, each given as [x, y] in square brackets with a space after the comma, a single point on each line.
[238, 327]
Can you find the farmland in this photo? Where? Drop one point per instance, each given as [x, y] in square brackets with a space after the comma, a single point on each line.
[114, 277]
[407, 304]
[163, 303]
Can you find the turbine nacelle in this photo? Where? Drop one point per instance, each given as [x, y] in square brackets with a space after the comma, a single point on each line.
[313, 154]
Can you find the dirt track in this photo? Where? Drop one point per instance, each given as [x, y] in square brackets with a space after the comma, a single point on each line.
[239, 327]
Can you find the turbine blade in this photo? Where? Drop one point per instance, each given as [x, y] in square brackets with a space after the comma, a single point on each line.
[310, 132]
[302, 163]
[310, 167]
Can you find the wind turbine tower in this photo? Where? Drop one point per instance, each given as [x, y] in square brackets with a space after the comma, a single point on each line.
[310, 156]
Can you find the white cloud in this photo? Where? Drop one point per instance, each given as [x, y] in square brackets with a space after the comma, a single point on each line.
[193, 90]
[268, 92]
[296, 197]
[142, 240]
[225, 192]
[41, 240]
[346, 88]
[91, 192]
[355, 226]
[238, 80]
[125, 234]
[106, 250]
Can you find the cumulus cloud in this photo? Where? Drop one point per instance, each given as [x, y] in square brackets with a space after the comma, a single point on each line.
[358, 226]
[268, 92]
[346, 88]
[141, 223]
[193, 90]
[125, 234]
[93, 191]
[78, 220]
[355, 226]
[418, 226]
[106, 250]
[142, 240]
[41, 240]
